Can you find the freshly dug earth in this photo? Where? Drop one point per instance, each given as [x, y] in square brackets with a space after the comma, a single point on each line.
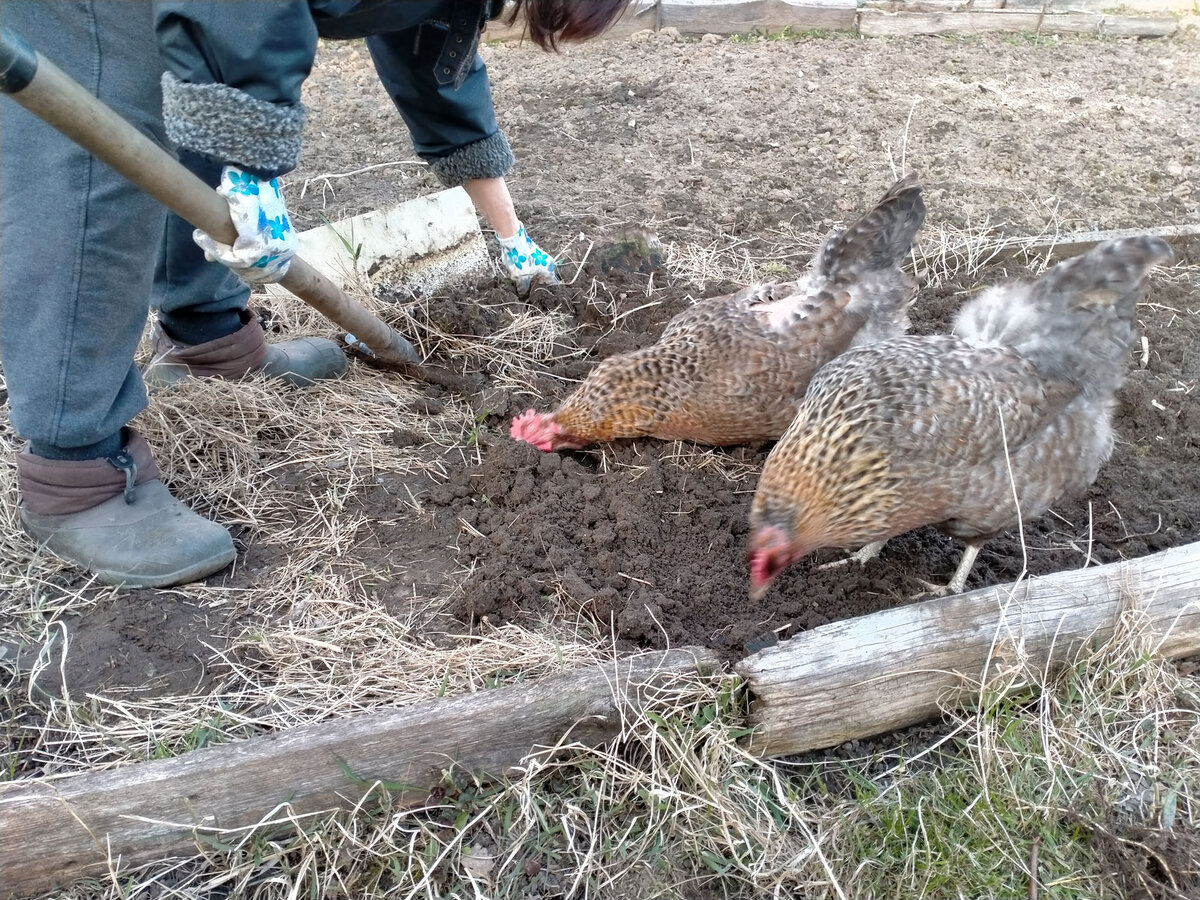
[640, 536]
[748, 151]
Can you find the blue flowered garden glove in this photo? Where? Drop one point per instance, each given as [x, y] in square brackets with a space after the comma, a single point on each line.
[525, 262]
[266, 241]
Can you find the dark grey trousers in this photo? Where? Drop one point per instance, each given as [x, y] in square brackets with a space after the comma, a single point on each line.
[79, 245]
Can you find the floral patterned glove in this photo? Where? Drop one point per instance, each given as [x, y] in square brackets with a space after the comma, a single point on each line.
[525, 262]
[266, 241]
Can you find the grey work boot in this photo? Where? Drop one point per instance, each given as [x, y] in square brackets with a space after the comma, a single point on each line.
[299, 362]
[115, 518]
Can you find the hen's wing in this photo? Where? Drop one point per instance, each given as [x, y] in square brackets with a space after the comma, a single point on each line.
[936, 399]
[732, 369]
[909, 432]
[751, 356]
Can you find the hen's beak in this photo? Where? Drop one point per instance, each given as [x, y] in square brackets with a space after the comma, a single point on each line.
[770, 552]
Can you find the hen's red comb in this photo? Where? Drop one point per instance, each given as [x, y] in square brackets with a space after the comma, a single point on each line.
[534, 428]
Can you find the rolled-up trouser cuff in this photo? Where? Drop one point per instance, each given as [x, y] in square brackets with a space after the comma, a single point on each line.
[490, 158]
[232, 356]
[58, 487]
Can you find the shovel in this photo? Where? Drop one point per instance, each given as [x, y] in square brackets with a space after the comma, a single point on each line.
[53, 96]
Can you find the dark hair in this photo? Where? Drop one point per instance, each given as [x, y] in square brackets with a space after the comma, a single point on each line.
[547, 22]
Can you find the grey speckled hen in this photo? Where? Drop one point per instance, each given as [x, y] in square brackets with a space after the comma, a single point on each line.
[733, 369]
[969, 431]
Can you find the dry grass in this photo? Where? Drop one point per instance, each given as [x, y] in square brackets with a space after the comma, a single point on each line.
[1085, 782]
[1085, 786]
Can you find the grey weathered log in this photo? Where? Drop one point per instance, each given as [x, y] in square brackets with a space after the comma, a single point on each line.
[54, 831]
[1099, 6]
[1136, 26]
[933, 6]
[873, 674]
[877, 23]
[882, 18]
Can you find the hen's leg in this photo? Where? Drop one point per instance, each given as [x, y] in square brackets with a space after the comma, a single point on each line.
[868, 552]
[959, 580]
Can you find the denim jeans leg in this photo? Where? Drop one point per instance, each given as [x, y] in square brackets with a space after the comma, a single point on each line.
[197, 301]
[79, 241]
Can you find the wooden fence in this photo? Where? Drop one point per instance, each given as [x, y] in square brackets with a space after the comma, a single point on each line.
[871, 18]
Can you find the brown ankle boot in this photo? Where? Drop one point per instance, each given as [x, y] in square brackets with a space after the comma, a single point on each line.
[116, 518]
[298, 362]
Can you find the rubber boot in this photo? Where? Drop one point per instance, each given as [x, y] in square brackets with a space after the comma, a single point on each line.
[299, 362]
[115, 518]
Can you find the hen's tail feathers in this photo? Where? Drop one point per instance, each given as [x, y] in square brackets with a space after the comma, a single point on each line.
[1076, 321]
[881, 239]
[1111, 274]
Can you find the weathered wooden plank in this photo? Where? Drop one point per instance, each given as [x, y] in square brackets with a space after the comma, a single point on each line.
[875, 23]
[54, 831]
[876, 673]
[1184, 239]
[1099, 6]
[1138, 26]
[932, 5]
[734, 17]
[885, 18]
[878, 23]
[1184, 7]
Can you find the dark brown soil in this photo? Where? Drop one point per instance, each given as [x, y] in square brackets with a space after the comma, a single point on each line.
[656, 548]
[715, 144]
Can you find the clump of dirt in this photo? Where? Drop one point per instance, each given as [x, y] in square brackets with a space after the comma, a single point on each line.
[651, 547]
[151, 643]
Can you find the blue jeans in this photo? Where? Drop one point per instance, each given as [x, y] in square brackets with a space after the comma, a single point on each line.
[80, 246]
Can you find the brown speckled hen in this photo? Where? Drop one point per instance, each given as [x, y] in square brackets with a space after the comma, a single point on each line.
[732, 369]
[971, 431]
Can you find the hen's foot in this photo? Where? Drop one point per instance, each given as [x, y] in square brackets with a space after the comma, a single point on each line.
[867, 553]
[958, 581]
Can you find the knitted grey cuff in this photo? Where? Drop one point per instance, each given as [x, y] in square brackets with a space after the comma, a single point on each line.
[222, 122]
[490, 158]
